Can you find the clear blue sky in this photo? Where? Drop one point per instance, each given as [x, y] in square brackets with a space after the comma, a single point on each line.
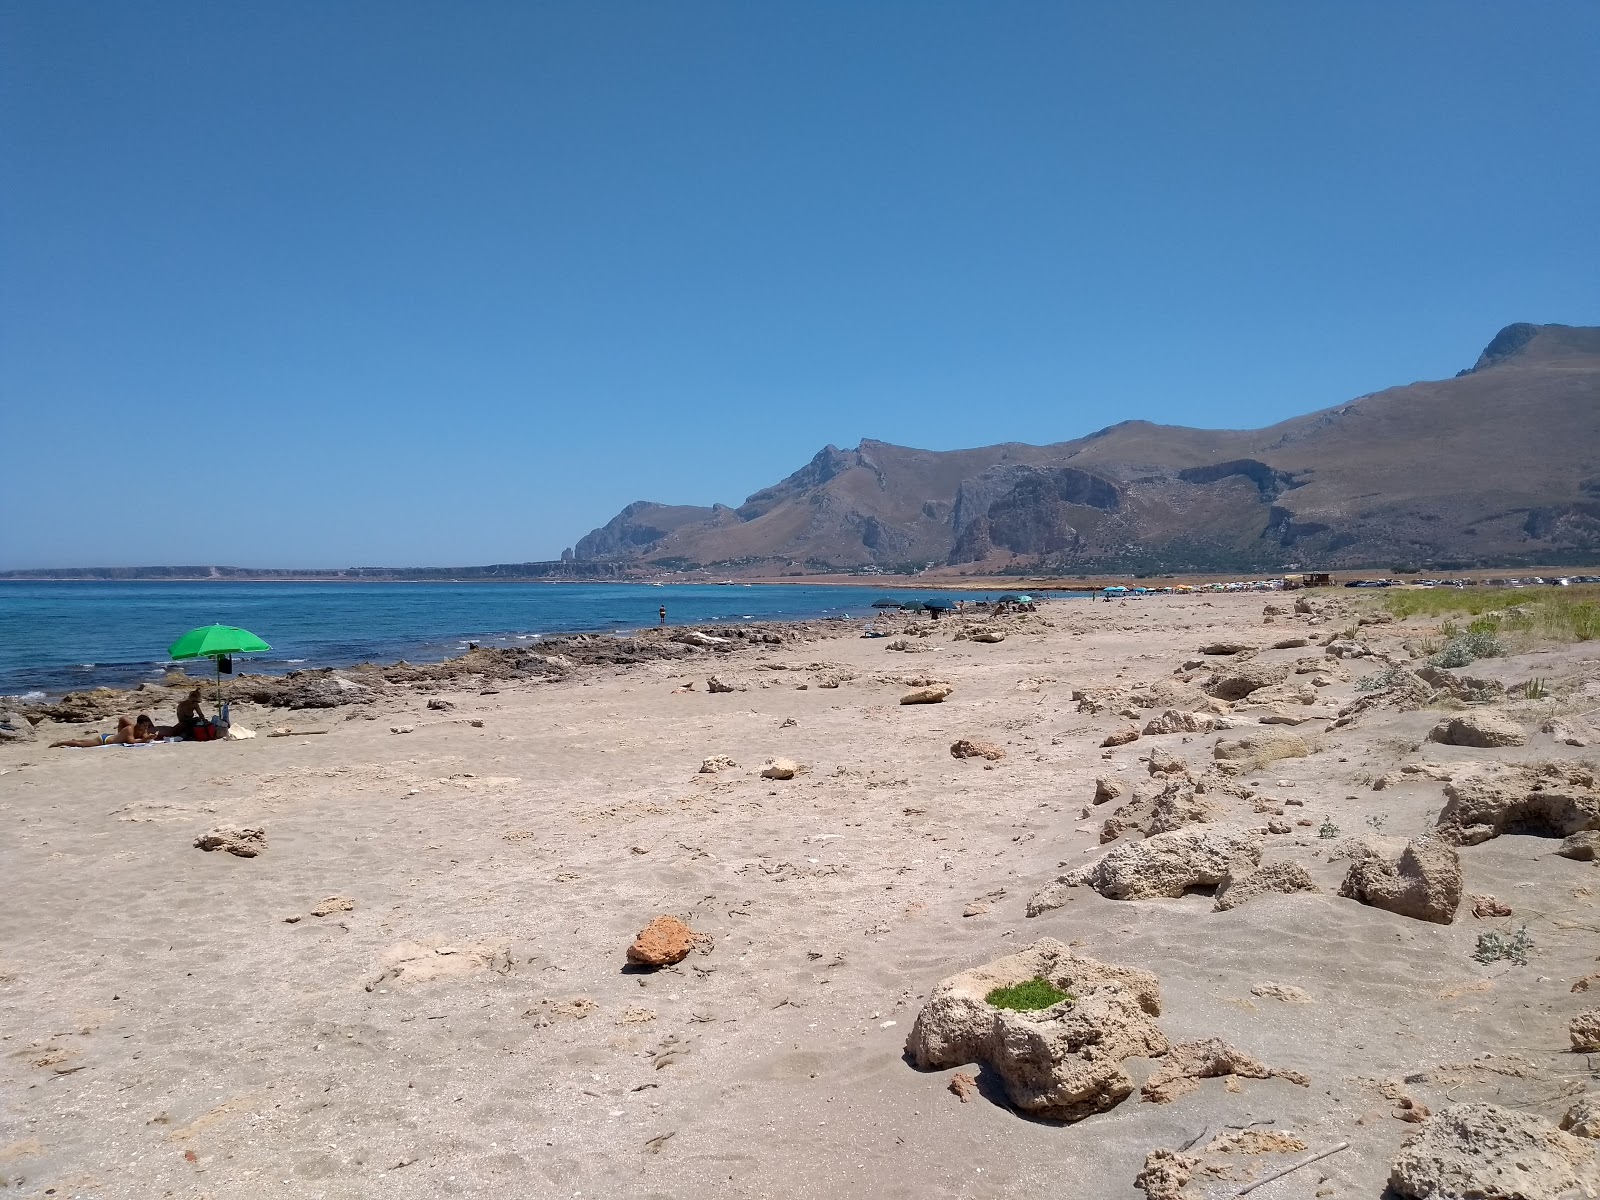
[301, 283]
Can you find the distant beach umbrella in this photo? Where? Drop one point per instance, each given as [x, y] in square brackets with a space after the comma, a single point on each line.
[1012, 598]
[886, 602]
[216, 642]
[913, 605]
[937, 605]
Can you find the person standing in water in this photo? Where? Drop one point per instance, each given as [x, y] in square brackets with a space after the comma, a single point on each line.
[663, 616]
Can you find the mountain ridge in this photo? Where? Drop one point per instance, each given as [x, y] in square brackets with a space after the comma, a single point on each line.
[1499, 464]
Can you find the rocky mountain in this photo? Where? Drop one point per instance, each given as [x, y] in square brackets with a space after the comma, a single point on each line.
[1499, 465]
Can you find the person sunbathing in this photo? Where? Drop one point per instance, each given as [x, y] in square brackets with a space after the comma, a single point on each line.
[126, 735]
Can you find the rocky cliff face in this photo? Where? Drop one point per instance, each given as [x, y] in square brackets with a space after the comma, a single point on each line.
[1500, 464]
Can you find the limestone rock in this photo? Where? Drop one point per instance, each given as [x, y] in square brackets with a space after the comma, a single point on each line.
[246, 843]
[1583, 1118]
[1584, 847]
[1062, 1063]
[713, 684]
[1554, 800]
[1165, 1173]
[717, 762]
[1584, 1029]
[1108, 787]
[1285, 878]
[1226, 647]
[1175, 720]
[1423, 881]
[1207, 1058]
[1164, 762]
[1466, 688]
[1484, 1150]
[664, 941]
[1480, 729]
[987, 635]
[1259, 749]
[966, 749]
[928, 695]
[1291, 643]
[1121, 737]
[16, 728]
[1177, 804]
[1168, 864]
[1238, 682]
[1344, 648]
[780, 768]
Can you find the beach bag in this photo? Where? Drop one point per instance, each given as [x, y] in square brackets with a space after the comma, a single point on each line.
[203, 731]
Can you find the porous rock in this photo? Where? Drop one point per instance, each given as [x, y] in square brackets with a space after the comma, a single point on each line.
[1550, 799]
[780, 768]
[1175, 720]
[664, 941]
[1207, 1058]
[246, 843]
[1259, 749]
[14, 727]
[1285, 878]
[1238, 682]
[1492, 1153]
[1062, 1063]
[1481, 729]
[1423, 881]
[1583, 1118]
[1167, 864]
[1177, 804]
[1164, 762]
[1226, 647]
[970, 749]
[928, 695]
[987, 635]
[1121, 737]
[1466, 688]
[1345, 648]
[713, 684]
[1584, 847]
[1584, 1030]
[717, 762]
[1108, 787]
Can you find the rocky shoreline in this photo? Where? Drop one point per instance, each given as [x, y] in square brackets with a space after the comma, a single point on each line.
[554, 659]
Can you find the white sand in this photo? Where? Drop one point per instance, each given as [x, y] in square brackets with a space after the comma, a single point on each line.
[165, 1032]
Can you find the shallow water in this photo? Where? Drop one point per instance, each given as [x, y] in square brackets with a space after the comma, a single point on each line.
[59, 636]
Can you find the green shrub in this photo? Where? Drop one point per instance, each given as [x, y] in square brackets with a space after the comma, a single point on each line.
[1327, 829]
[1493, 947]
[1035, 993]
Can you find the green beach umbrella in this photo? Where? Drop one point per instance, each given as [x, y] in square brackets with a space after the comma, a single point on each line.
[886, 602]
[215, 642]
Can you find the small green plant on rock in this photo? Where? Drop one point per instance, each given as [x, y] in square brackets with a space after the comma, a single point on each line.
[1327, 829]
[1027, 996]
[1494, 947]
[1535, 689]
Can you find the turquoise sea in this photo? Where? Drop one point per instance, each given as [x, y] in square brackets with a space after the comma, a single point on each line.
[63, 636]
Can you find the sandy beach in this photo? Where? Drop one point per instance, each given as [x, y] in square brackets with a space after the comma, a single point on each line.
[461, 1019]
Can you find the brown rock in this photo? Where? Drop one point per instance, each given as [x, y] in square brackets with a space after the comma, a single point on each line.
[246, 843]
[1284, 878]
[1108, 787]
[661, 943]
[1238, 682]
[964, 1086]
[1481, 729]
[1208, 1058]
[1553, 799]
[1584, 1029]
[1484, 1150]
[1121, 738]
[1423, 882]
[967, 749]
[780, 768]
[1175, 720]
[927, 695]
[1489, 906]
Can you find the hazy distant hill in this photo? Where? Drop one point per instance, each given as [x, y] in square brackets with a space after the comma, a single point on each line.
[1498, 465]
